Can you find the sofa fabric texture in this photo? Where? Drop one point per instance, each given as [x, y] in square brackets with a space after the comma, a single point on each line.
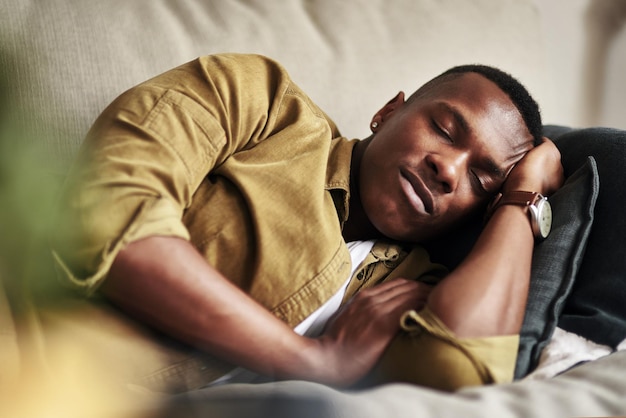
[351, 57]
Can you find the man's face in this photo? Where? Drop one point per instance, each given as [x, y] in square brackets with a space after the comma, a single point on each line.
[437, 159]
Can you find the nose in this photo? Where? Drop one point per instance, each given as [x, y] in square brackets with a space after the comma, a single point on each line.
[448, 168]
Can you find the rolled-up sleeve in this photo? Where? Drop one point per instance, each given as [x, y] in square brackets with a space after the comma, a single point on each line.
[427, 353]
[148, 152]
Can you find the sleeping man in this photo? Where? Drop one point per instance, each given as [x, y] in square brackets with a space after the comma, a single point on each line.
[218, 204]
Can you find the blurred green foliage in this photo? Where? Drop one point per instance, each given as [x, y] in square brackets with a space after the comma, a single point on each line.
[27, 199]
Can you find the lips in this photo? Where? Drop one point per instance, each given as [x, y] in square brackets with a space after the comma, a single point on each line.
[418, 190]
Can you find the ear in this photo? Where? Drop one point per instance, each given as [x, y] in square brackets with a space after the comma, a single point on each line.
[391, 106]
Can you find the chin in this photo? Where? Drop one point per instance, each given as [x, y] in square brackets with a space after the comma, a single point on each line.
[405, 234]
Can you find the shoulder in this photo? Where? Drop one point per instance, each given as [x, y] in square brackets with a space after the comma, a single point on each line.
[251, 66]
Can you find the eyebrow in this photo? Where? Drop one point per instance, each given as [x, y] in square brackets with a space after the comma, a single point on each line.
[491, 165]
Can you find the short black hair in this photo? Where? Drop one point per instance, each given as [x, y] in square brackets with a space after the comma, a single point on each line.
[519, 95]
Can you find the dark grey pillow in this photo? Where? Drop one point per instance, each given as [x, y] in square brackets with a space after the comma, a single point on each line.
[556, 262]
[596, 306]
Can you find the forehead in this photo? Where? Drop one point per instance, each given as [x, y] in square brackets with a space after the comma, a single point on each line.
[487, 113]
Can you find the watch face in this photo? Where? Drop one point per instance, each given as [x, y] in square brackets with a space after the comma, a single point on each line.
[544, 218]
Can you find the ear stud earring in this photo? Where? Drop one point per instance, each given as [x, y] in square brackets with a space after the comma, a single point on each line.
[374, 126]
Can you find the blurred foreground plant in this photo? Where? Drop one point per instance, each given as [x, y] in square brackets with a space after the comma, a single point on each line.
[43, 372]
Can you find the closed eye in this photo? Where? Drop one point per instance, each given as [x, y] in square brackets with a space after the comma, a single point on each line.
[441, 131]
[478, 185]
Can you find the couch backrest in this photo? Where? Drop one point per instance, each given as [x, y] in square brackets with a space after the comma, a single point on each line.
[67, 59]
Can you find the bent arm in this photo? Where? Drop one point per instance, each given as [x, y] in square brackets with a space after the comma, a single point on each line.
[165, 282]
[486, 294]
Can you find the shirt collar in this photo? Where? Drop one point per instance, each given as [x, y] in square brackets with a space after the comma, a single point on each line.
[338, 174]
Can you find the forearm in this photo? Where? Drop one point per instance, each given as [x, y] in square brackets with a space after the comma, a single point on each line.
[166, 283]
[486, 295]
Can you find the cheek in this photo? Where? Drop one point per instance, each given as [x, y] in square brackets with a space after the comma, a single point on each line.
[465, 204]
[382, 206]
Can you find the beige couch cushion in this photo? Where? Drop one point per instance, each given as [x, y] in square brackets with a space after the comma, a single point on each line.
[351, 56]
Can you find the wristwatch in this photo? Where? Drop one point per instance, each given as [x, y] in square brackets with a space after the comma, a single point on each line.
[539, 209]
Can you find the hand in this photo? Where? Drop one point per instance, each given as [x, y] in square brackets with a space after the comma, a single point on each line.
[357, 336]
[540, 170]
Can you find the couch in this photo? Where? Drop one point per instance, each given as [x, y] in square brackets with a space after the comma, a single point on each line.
[63, 61]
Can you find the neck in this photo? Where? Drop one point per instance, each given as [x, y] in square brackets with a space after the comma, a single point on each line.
[358, 225]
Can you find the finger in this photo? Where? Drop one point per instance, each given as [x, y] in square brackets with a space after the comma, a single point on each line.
[406, 286]
[383, 287]
[395, 305]
[403, 303]
[380, 294]
[397, 285]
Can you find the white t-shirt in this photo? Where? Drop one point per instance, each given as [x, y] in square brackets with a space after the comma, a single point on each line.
[313, 325]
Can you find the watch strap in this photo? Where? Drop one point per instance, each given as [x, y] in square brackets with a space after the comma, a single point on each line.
[516, 197]
[536, 206]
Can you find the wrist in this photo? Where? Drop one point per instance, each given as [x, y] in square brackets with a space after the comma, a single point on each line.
[534, 204]
[317, 362]
[512, 185]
